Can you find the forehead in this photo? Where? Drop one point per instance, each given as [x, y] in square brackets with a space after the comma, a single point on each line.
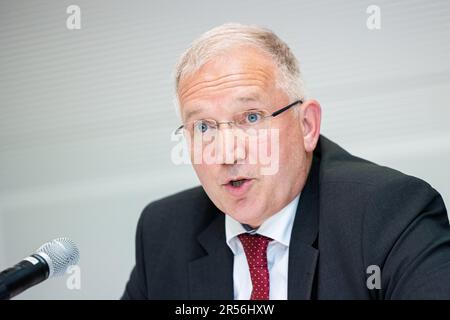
[238, 72]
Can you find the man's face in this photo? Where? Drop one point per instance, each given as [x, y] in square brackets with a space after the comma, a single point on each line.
[245, 79]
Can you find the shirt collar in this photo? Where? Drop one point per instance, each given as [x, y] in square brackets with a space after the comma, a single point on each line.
[278, 227]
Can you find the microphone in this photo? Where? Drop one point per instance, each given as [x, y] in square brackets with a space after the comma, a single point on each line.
[51, 259]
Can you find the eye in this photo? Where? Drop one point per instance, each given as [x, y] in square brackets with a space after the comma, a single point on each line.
[201, 126]
[253, 117]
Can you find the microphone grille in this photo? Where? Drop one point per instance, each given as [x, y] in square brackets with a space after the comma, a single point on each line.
[62, 253]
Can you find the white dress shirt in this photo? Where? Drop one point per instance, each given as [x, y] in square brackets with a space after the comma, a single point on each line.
[278, 227]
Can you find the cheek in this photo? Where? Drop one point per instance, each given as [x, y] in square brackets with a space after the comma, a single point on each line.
[196, 149]
[292, 133]
[265, 144]
[292, 148]
[206, 174]
[202, 172]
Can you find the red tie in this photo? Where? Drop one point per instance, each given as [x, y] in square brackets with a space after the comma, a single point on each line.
[255, 247]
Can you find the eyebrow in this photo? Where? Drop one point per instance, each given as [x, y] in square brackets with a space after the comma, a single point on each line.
[252, 97]
[243, 99]
[192, 113]
[247, 99]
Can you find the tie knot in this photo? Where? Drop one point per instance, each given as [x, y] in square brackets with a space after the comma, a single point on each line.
[255, 247]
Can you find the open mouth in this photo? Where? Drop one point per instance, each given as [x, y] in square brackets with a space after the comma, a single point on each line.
[238, 186]
[237, 183]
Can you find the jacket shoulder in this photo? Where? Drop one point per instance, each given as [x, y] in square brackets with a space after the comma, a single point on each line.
[179, 199]
[186, 211]
[339, 166]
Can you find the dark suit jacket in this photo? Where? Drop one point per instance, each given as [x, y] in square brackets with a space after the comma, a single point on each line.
[352, 214]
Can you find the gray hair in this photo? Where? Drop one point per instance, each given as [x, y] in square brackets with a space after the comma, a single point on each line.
[216, 40]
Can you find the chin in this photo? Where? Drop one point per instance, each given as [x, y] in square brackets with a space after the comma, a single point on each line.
[245, 211]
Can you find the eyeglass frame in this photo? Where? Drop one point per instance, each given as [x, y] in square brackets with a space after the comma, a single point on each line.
[272, 115]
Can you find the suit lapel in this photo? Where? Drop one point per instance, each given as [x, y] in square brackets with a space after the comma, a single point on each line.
[211, 276]
[302, 254]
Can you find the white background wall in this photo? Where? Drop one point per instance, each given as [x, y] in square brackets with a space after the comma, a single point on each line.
[86, 115]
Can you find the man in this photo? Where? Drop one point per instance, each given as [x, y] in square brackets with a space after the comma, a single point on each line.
[318, 224]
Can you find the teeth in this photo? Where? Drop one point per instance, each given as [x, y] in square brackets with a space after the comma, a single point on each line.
[237, 183]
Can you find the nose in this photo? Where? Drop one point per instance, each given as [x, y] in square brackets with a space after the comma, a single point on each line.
[231, 145]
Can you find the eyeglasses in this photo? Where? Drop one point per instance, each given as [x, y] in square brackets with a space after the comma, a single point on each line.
[251, 119]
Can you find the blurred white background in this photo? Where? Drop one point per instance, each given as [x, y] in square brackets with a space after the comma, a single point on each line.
[86, 115]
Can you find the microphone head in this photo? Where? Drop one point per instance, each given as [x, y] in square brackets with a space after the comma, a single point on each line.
[59, 254]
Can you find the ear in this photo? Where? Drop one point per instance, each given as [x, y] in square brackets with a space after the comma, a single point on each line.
[311, 114]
